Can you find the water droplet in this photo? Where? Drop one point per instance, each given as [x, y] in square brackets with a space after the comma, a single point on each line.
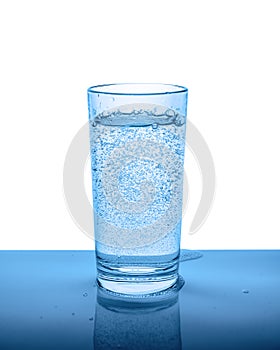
[245, 291]
[73, 313]
[154, 126]
[85, 294]
[91, 319]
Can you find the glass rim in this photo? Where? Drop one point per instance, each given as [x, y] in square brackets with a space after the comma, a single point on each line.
[108, 89]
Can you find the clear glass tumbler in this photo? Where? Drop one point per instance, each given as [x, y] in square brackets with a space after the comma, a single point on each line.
[137, 143]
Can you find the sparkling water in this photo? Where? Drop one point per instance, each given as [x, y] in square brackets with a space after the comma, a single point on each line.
[137, 181]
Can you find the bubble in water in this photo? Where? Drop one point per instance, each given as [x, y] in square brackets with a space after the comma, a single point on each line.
[170, 113]
[104, 114]
[140, 201]
[85, 294]
[245, 291]
[179, 120]
[91, 319]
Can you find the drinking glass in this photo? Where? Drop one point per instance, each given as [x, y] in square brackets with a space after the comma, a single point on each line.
[137, 144]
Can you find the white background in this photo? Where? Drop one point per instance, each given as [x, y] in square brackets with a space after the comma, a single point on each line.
[225, 52]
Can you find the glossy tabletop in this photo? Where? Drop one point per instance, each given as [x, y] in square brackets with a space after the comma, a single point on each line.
[230, 300]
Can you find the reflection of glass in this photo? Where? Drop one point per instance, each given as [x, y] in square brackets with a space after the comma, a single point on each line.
[144, 323]
[137, 143]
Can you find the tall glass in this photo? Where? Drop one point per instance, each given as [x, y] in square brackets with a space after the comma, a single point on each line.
[137, 143]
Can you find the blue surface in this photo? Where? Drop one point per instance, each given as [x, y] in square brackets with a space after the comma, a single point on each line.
[230, 300]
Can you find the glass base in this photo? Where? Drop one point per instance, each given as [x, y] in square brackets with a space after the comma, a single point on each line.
[137, 275]
[136, 286]
[137, 279]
